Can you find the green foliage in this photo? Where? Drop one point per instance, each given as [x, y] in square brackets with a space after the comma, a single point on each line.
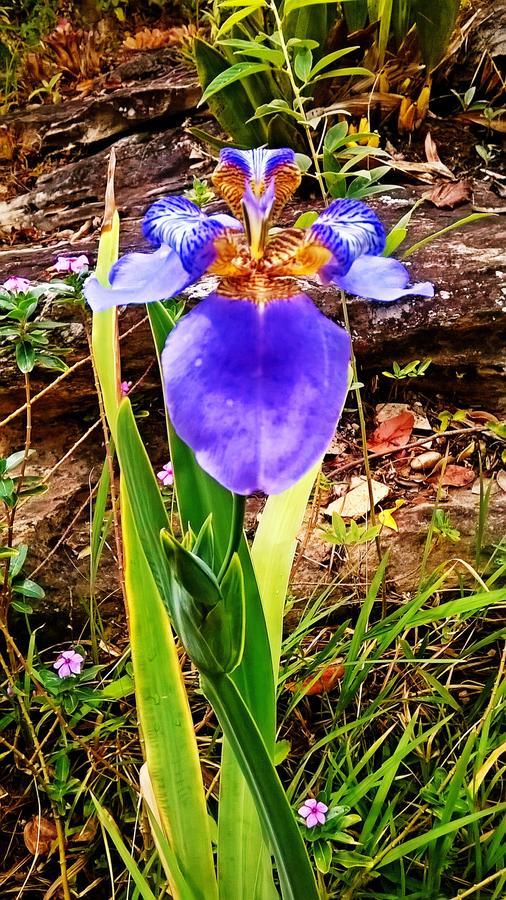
[24, 334]
[435, 21]
[349, 535]
[414, 369]
[22, 24]
[442, 526]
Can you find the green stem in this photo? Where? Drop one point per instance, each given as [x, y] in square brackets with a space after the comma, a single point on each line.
[239, 727]
[363, 436]
[236, 529]
[299, 102]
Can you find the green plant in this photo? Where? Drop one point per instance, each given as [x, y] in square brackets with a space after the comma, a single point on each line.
[349, 535]
[48, 88]
[442, 526]
[414, 369]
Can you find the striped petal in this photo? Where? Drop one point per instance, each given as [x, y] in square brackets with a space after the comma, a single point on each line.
[238, 169]
[381, 278]
[255, 389]
[348, 229]
[139, 278]
[181, 225]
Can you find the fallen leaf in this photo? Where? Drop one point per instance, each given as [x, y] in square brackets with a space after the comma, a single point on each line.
[327, 680]
[448, 196]
[356, 503]
[501, 479]
[386, 516]
[39, 835]
[481, 415]
[489, 484]
[386, 411]
[425, 461]
[392, 434]
[497, 124]
[455, 476]
[431, 149]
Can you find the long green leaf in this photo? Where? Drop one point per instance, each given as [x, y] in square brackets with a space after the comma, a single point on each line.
[169, 739]
[237, 72]
[435, 23]
[232, 106]
[273, 551]
[297, 880]
[244, 868]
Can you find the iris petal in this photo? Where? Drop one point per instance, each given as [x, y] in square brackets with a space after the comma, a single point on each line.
[381, 278]
[257, 168]
[181, 225]
[256, 390]
[139, 278]
[349, 229]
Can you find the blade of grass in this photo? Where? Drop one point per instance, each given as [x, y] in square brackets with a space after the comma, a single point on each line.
[107, 822]
[433, 834]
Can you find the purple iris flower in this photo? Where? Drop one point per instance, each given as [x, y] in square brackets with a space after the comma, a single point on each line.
[255, 376]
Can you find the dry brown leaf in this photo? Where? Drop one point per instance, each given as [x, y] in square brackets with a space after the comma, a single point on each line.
[481, 415]
[153, 38]
[431, 149]
[455, 476]
[497, 124]
[328, 679]
[425, 461]
[389, 410]
[501, 479]
[392, 434]
[448, 196]
[39, 835]
[356, 503]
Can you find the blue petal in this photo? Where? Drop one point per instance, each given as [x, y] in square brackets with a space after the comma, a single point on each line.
[380, 278]
[139, 278]
[349, 229]
[257, 165]
[257, 168]
[180, 224]
[256, 390]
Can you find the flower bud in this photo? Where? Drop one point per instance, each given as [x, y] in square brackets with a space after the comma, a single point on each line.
[208, 617]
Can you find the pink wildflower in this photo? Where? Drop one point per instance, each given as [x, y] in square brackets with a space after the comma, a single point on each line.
[72, 264]
[125, 388]
[16, 285]
[166, 476]
[313, 811]
[68, 664]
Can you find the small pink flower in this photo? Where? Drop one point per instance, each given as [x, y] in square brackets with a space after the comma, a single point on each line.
[72, 264]
[68, 664]
[125, 388]
[166, 476]
[313, 811]
[16, 285]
